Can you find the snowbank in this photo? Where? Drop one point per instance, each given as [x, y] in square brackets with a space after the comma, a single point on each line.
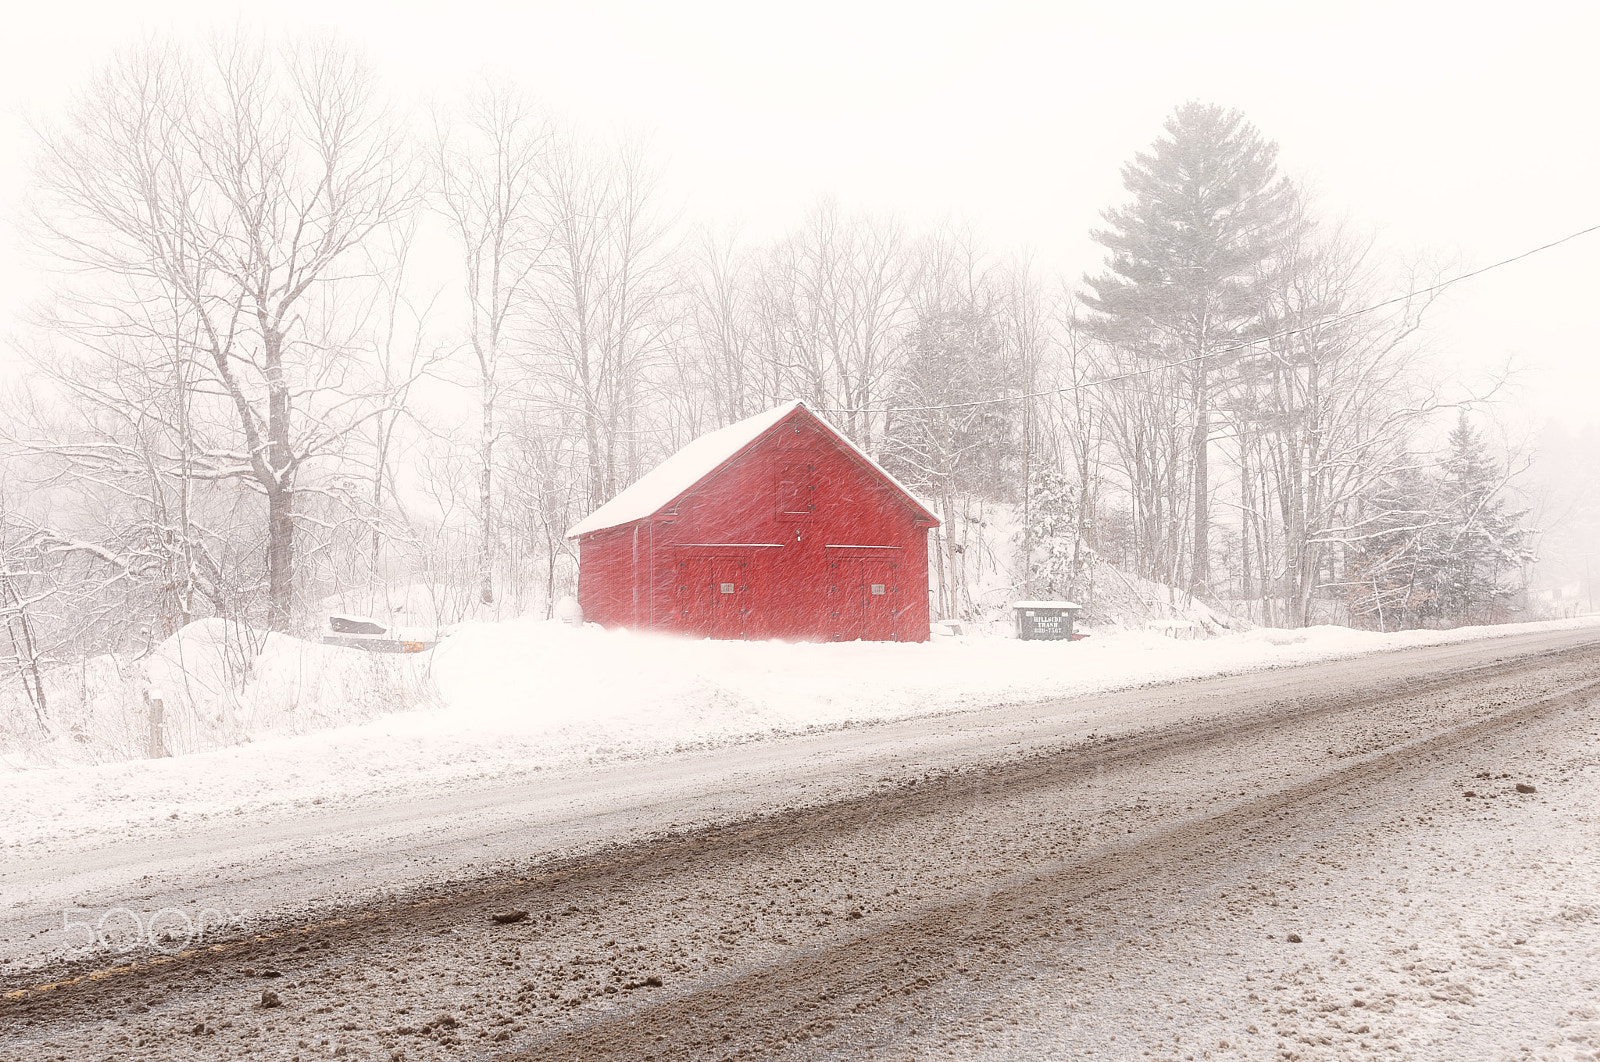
[514, 697]
[219, 684]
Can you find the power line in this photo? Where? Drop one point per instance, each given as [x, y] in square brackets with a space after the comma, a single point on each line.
[1322, 322]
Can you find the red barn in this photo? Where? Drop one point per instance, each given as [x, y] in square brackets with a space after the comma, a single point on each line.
[774, 527]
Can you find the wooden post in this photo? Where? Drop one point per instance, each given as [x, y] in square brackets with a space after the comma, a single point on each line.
[158, 747]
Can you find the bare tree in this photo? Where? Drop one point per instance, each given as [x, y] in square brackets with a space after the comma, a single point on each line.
[602, 286]
[1145, 425]
[1067, 423]
[1325, 410]
[233, 190]
[487, 182]
[721, 355]
[838, 300]
[402, 355]
[951, 420]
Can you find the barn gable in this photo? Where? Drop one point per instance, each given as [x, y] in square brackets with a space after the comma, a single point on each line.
[663, 485]
[776, 526]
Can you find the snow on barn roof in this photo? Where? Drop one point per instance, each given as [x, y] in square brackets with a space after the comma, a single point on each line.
[659, 487]
[656, 489]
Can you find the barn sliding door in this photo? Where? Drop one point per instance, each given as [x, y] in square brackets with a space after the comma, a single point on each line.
[865, 596]
[713, 596]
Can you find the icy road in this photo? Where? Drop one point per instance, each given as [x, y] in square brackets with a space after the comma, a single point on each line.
[1391, 856]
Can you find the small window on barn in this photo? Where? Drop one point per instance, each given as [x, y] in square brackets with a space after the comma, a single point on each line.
[797, 490]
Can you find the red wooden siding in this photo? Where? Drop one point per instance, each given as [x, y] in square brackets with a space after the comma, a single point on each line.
[605, 577]
[796, 537]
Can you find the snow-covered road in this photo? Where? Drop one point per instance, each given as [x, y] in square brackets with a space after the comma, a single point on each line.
[1155, 759]
[348, 844]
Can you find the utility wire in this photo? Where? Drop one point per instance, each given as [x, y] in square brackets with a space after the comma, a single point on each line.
[1332, 319]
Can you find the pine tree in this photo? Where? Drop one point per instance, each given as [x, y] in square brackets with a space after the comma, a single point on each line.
[1208, 217]
[1389, 570]
[1481, 542]
[1059, 556]
[942, 439]
[1439, 545]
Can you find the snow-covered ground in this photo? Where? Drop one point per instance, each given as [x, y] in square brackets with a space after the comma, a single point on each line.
[506, 699]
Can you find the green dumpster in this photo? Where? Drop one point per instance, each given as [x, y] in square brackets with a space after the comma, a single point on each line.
[1045, 620]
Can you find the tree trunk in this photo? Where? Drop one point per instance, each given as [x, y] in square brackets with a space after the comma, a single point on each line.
[1247, 504]
[486, 501]
[381, 464]
[27, 655]
[949, 558]
[280, 558]
[1200, 566]
[1027, 483]
[280, 496]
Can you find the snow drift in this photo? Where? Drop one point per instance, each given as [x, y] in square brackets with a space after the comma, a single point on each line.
[219, 684]
[500, 702]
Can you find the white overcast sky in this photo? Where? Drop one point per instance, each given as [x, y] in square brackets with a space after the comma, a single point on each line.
[1463, 131]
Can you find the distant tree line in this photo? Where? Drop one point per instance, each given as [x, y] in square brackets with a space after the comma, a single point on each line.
[304, 350]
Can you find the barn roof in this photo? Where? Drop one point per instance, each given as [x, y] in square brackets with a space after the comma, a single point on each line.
[665, 483]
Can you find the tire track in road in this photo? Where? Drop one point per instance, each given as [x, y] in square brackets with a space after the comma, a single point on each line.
[812, 994]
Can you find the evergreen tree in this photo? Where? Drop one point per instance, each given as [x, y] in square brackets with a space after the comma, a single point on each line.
[1059, 557]
[1481, 542]
[938, 440]
[1390, 567]
[1439, 546]
[1208, 218]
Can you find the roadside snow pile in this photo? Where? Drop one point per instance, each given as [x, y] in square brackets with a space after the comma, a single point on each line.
[527, 695]
[219, 684]
[620, 686]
